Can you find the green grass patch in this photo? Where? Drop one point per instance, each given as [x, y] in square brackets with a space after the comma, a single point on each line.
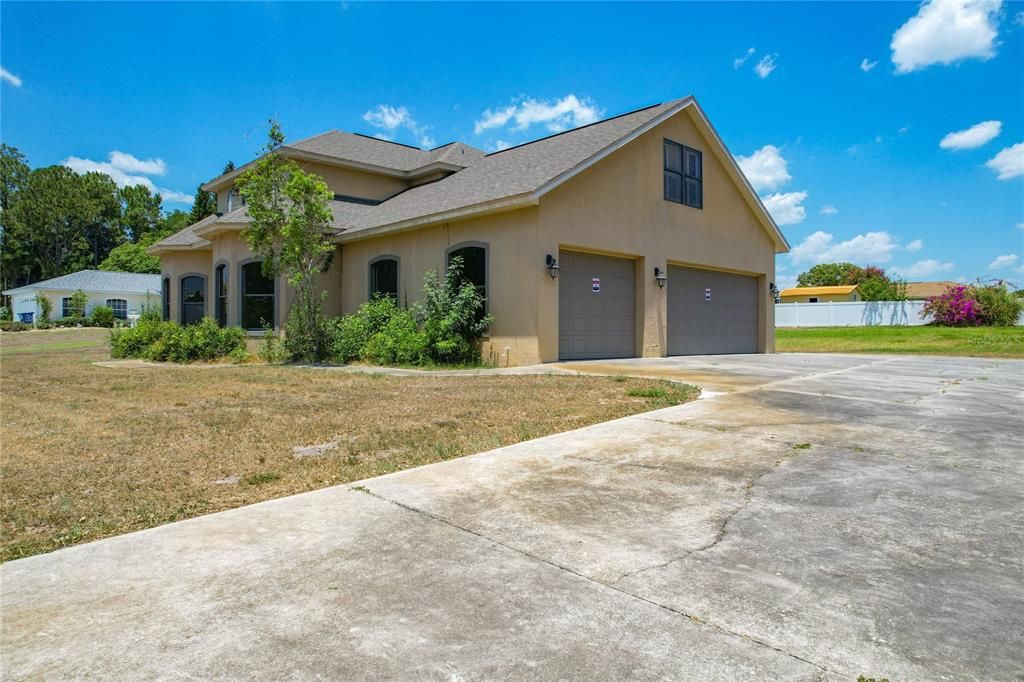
[1007, 342]
[261, 478]
[666, 394]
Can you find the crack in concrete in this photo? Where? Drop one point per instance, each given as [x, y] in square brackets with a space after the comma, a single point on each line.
[679, 612]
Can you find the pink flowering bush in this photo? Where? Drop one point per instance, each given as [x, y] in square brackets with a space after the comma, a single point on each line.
[956, 307]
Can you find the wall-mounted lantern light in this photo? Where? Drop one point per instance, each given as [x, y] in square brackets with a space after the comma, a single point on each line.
[660, 277]
[552, 265]
[774, 291]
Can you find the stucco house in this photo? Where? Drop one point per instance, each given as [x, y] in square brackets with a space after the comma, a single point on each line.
[127, 293]
[634, 236]
[837, 294]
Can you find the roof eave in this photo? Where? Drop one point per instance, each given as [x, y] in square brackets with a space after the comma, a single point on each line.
[496, 206]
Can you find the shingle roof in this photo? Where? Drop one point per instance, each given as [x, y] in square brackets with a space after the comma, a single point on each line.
[370, 150]
[483, 179]
[187, 236]
[507, 173]
[815, 291]
[923, 290]
[98, 281]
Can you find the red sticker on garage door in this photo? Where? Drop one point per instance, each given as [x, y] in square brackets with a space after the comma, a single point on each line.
[595, 284]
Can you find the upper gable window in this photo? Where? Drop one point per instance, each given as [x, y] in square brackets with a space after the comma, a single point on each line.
[684, 171]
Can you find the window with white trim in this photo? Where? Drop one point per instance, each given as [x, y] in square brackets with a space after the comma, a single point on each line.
[119, 306]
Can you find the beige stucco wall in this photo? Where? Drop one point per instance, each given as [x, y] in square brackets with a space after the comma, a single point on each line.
[346, 181]
[229, 248]
[617, 207]
[518, 290]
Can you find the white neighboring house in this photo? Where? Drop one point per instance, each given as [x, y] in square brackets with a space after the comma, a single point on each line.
[127, 293]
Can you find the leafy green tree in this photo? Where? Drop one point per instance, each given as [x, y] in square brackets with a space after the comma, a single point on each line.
[172, 222]
[290, 231]
[77, 304]
[204, 204]
[130, 257]
[45, 308]
[140, 212]
[14, 172]
[829, 275]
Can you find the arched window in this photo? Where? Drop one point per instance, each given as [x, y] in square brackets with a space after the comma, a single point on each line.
[474, 268]
[384, 277]
[193, 299]
[221, 283]
[165, 298]
[119, 306]
[257, 298]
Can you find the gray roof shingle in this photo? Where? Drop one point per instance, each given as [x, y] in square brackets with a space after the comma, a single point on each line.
[483, 178]
[99, 281]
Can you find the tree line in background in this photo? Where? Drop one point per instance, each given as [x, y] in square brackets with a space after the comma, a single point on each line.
[54, 221]
[872, 281]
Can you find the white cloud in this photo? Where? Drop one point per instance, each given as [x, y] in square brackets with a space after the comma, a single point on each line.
[786, 208]
[1020, 226]
[765, 168]
[904, 130]
[972, 137]
[767, 64]
[821, 247]
[922, 268]
[389, 118]
[9, 77]
[556, 116]
[501, 144]
[866, 66]
[946, 32]
[915, 245]
[1008, 163]
[829, 209]
[740, 61]
[126, 169]
[1003, 262]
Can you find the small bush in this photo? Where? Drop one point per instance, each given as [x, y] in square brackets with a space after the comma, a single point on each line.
[71, 321]
[15, 326]
[352, 332]
[955, 307]
[239, 356]
[992, 305]
[102, 316]
[272, 350]
[45, 307]
[999, 306]
[5, 313]
[399, 342]
[452, 314]
[170, 342]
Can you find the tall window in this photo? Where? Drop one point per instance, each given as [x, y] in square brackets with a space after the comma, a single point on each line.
[474, 269]
[193, 299]
[384, 278]
[221, 284]
[257, 297]
[119, 306]
[165, 298]
[684, 172]
[65, 307]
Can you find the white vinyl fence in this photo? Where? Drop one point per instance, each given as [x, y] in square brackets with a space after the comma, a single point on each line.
[849, 314]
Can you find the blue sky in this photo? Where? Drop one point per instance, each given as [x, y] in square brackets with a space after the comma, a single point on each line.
[838, 112]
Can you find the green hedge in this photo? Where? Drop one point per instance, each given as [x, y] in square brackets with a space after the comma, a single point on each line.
[170, 342]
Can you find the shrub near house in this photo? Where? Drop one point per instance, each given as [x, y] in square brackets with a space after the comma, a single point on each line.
[993, 305]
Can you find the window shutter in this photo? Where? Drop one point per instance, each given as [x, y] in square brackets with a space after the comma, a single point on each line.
[673, 157]
[693, 164]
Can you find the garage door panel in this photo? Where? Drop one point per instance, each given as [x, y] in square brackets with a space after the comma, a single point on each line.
[727, 323]
[597, 324]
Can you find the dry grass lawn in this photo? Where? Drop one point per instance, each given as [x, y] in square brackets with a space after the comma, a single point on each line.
[89, 451]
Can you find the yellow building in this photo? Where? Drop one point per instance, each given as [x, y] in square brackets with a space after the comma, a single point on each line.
[633, 236]
[820, 294]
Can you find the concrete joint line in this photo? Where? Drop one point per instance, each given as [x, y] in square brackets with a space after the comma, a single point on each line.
[691, 617]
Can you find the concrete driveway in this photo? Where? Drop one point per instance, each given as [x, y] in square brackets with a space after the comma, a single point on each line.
[825, 516]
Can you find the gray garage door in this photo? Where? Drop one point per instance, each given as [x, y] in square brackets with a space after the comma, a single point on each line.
[596, 307]
[711, 312]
